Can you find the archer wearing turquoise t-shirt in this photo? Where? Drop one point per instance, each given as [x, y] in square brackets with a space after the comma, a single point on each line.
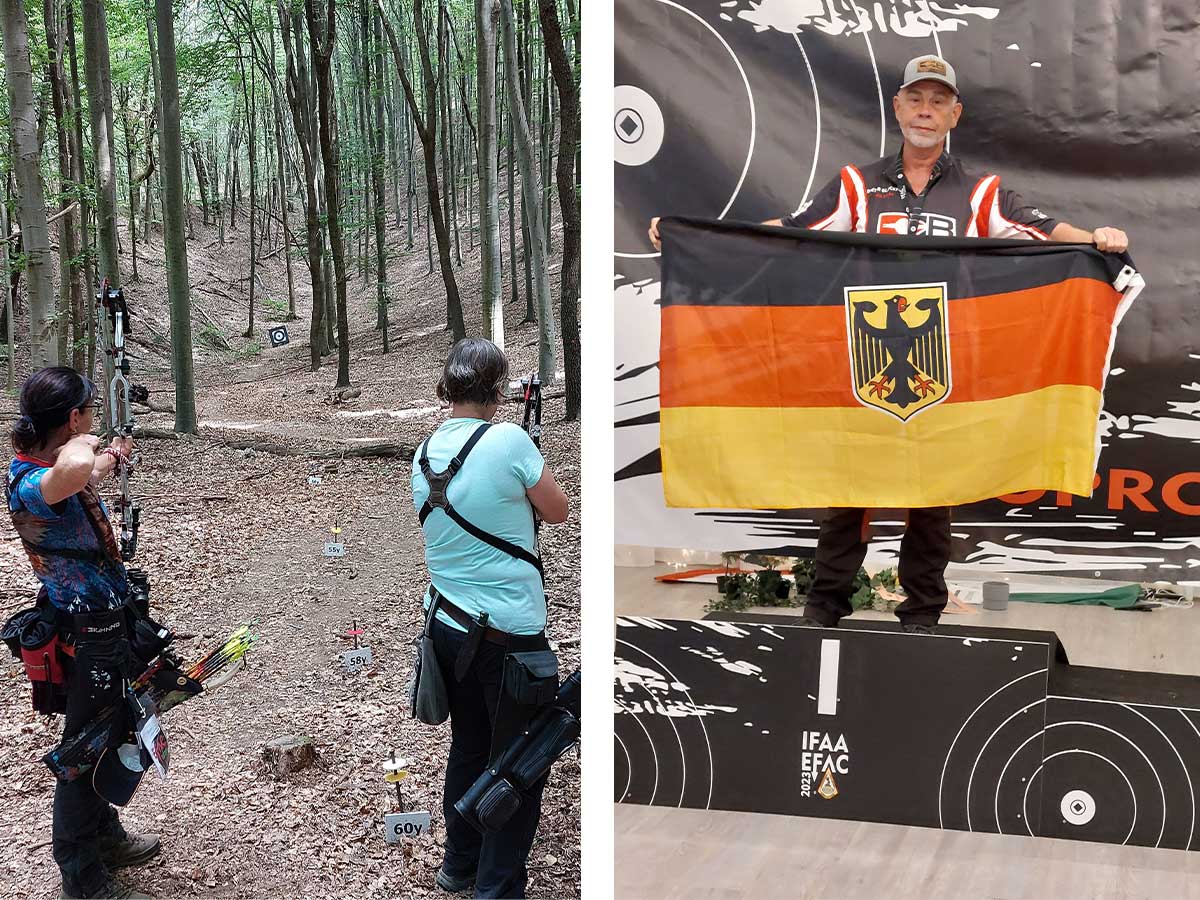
[476, 485]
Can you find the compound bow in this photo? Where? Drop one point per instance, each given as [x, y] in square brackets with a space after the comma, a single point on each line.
[531, 418]
[118, 400]
[531, 421]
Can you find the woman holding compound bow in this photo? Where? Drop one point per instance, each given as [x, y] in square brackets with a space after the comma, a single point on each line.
[477, 487]
[57, 512]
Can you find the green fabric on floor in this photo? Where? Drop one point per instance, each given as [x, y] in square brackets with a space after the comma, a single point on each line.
[1118, 598]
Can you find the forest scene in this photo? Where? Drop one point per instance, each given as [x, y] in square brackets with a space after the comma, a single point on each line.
[379, 178]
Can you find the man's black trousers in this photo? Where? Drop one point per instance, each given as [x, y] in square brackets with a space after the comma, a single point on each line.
[81, 817]
[477, 713]
[842, 546]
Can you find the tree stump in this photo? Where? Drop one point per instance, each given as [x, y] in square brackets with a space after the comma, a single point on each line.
[288, 754]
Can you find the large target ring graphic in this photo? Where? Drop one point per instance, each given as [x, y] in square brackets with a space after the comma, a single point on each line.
[1088, 770]
[662, 137]
[663, 755]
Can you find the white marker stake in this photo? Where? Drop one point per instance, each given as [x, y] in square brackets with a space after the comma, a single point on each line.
[827, 691]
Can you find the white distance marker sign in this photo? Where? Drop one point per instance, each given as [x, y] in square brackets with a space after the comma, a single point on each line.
[398, 826]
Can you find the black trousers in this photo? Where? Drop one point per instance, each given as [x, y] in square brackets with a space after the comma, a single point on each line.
[81, 818]
[482, 720]
[841, 548]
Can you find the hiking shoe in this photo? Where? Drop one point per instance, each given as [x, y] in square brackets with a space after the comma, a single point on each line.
[454, 884]
[110, 890]
[917, 628]
[133, 850]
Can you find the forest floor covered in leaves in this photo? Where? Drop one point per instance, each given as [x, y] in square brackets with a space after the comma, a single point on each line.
[234, 535]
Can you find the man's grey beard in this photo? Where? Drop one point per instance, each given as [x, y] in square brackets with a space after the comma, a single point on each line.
[917, 139]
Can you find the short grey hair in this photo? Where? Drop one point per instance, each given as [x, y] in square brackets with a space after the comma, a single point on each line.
[476, 371]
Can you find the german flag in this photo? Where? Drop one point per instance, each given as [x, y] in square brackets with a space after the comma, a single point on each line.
[806, 369]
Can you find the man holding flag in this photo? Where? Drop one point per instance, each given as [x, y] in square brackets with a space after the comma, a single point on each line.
[922, 191]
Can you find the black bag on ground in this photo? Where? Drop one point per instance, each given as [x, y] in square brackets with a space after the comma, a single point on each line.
[429, 699]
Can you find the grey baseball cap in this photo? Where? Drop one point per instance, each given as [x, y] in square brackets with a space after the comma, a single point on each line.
[929, 68]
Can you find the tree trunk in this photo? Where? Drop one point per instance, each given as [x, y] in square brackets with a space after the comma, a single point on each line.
[8, 298]
[374, 87]
[321, 36]
[201, 180]
[87, 313]
[96, 57]
[568, 202]
[70, 305]
[513, 273]
[532, 199]
[133, 190]
[448, 171]
[298, 103]
[427, 129]
[277, 105]
[35, 234]
[152, 43]
[250, 106]
[171, 148]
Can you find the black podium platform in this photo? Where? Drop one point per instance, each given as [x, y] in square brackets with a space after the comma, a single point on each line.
[976, 729]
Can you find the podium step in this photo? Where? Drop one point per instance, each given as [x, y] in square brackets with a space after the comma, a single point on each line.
[976, 729]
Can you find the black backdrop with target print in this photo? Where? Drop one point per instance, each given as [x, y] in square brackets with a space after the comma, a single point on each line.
[743, 110]
[760, 716]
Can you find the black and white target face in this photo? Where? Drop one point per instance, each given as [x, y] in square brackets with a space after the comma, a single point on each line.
[662, 134]
[1086, 770]
[663, 752]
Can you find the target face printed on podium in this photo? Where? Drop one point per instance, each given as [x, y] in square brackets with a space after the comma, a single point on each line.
[980, 730]
[781, 719]
[660, 136]
[1119, 773]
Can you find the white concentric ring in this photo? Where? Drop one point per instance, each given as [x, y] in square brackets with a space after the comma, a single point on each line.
[1162, 792]
[996, 805]
[753, 121]
[962, 728]
[1029, 784]
[628, 767]
[979, 755]
[678, 740]
[865, 32]
[812, 172]
[1191, 790]
[653, 752]
[699, 717]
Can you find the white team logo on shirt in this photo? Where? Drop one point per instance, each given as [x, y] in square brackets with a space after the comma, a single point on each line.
[928, 224]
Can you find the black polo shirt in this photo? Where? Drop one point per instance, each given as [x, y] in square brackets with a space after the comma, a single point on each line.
[876, 200]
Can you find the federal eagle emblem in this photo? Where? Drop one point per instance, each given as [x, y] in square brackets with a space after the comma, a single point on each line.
[899, 351]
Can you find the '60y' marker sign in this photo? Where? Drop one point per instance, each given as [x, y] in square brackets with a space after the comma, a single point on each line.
[398, 826]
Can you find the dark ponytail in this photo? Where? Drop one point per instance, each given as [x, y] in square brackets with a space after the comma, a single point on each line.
[47, 398]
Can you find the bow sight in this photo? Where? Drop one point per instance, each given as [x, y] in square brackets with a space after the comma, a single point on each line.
[120, 394]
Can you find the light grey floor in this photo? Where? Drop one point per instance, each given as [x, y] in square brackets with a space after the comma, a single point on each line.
[664, 853]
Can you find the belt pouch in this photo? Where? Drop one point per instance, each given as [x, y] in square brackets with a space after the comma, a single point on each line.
[41, 653]
[101, 640]
[531, 677]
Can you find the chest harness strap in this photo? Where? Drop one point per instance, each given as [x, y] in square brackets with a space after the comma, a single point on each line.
[438, 484]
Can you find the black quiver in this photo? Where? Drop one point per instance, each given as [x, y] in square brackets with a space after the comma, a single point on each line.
[499, 792]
